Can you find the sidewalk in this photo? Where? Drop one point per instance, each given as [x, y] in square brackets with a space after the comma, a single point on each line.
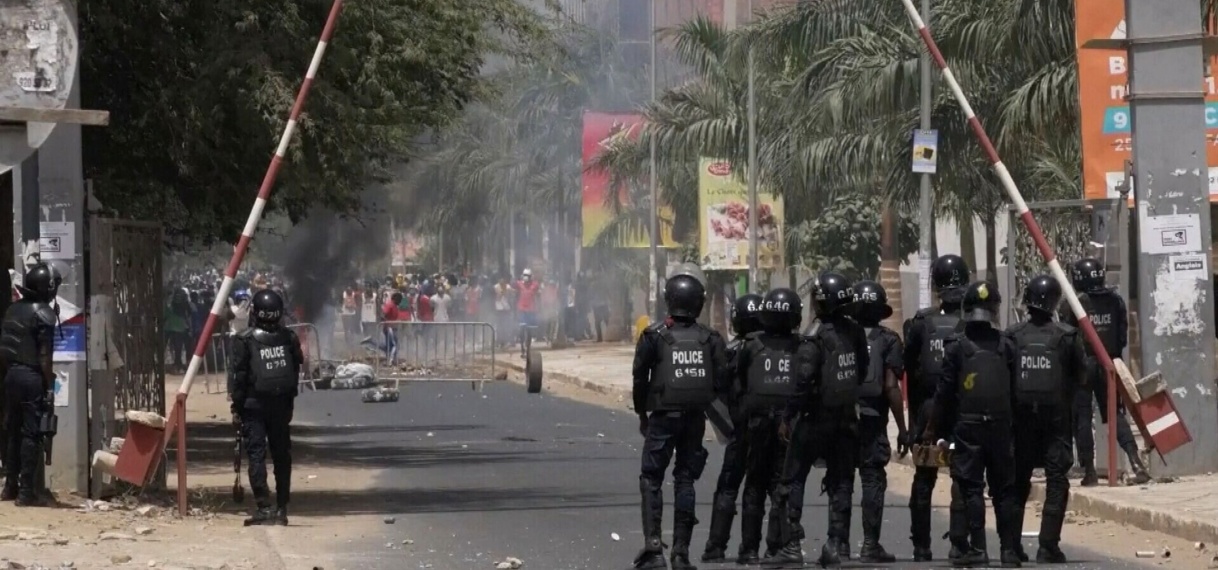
[1186, 508]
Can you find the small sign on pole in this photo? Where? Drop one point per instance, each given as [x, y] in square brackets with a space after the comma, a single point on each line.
[925, 151]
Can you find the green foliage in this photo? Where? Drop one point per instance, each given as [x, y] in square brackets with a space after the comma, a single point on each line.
[199, 92]
[846, 237]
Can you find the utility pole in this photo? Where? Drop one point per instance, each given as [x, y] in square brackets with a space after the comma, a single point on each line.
[754, 266]
[654, 281]
[925, 200]
[1176, 308]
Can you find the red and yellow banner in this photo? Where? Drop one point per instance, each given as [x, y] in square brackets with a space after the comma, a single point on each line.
[1106, 123]
[600, 130]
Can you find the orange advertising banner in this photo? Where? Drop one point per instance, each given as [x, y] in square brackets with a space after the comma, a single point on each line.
[1105, 119]
[600, 130]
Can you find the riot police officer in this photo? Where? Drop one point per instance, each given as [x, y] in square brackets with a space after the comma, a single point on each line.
[26, 344]
[766, 372]
[822, 419]
[679, 369]
[975, 403]
[1110, 318]
[1052, 366]
[744, 321]
[266, 366]
[925, 335]
[879, 394]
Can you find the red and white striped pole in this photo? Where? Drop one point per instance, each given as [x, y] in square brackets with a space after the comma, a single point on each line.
[1038, 236]
[251, 224]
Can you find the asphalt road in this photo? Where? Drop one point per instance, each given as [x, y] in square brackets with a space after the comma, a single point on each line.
[474, 478]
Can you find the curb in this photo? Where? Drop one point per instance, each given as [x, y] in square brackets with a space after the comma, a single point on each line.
[1139, 517]
[568, 380]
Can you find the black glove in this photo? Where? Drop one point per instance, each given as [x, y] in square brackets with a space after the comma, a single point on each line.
[643, 425]
[904, 442]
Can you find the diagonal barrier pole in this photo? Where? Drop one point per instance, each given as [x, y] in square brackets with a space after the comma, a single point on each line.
[247, 234]
[1038, 236]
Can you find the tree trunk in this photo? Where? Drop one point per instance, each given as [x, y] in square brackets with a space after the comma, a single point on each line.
[968, 243]
[890, 267]
[991, 251]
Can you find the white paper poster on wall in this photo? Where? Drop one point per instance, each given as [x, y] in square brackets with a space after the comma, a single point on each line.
[1177, 233]
[62, 389]
[1190, 266]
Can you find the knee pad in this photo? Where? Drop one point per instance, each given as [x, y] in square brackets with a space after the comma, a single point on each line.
[725, 503]
[647, 485]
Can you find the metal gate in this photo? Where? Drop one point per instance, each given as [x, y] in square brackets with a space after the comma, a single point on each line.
[127, 341]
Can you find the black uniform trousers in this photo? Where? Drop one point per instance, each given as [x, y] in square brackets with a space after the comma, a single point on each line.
[1042, 439]
[1084, 419]
[923, 482]
[731, 475]
[831, 435]
[24, 402]
[669, 434]
[875, 452]
[266, 423]
[766, 455]
[984, 455]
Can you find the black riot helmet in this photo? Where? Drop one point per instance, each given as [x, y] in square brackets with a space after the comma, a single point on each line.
[684, 295]
[1088, 275]
[41, 283]
[981, 302]
[745, 312]
[833, 293]
[781, 311]
[871, 301]
[267, 308]
[948, 272]
[1042, 293]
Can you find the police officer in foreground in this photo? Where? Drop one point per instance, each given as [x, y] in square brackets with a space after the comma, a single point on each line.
[679, 368]
[975, 403]
[266, 366]
[1052, 366]
[744, 321]
[925, 335]
[822, 420]
[766, 371]
[26, 342]
[879, 395]
[1110, 317]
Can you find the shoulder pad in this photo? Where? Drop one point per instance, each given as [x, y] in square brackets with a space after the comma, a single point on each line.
[654, 327]
[735, 344]
[1015, 328]
[246, 332]
[46, 314]
[753, 335]
[923, 313]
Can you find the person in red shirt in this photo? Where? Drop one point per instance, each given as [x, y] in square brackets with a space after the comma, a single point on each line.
[423, 308]
[391, 314]
[526, 304]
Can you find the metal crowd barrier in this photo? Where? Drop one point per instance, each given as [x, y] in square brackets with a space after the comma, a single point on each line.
[436, 352]
[216, 359]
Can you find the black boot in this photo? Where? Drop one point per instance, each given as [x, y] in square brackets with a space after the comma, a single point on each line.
[652, 555]
[830, 553]
[1140, 475]
[1090, 478]
[1010, 559]
[9, 493]
[29, 498]
[923, 554]
[873, 552]
[264, 515]
[1050, 555]
[791, 553]
[720, 532]
[750, 535]
[281, 516]
[682, 532]
[972, 558]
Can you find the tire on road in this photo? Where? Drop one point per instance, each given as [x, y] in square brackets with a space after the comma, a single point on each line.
[532, 372]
